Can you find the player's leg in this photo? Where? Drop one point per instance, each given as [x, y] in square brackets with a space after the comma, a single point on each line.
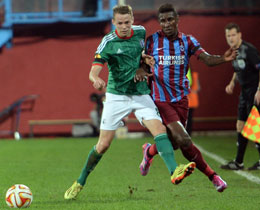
[243, 112]
[113, 112]
[256, 166]
[170, 115]
[241, 143]
[190, 121]
[189, 150]
[151, 150]
[166, 151]
[147, 113]
[162, 142]
[192, 153]
[238, 164]
[147, 159]
[175, 117]
[94, 156]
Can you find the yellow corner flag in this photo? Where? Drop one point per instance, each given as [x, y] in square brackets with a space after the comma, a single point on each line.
[251, 129]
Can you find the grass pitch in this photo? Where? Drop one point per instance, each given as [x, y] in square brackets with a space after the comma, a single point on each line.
[49, 167]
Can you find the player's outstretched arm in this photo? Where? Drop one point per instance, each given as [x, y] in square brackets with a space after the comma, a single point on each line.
[98, 83]
[213, 60]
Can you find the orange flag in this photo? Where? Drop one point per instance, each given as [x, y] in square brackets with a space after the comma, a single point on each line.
[251, 129]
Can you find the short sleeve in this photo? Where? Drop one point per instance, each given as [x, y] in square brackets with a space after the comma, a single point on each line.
[101, 55]
[254, 58]
[194, 46]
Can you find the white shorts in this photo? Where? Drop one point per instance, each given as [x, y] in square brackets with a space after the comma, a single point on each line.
[117, 107]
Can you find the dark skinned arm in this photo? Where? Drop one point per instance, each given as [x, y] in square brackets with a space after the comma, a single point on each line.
[213, 60]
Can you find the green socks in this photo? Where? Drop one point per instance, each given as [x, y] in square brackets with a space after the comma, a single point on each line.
[165, 150]
[92, 161]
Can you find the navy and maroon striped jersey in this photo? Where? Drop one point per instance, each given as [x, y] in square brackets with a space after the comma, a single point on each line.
[170, 82]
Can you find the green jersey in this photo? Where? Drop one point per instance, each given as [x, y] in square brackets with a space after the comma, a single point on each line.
[123, 56]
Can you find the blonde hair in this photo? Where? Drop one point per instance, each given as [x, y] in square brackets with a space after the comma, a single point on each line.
[122, 9]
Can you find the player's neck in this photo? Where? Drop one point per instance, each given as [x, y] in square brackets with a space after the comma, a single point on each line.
[128, 36]
[173, 36]
[239, 44]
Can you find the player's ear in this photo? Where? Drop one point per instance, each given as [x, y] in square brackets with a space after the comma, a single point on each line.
[113, 21]
[177, 19]
[240, 35]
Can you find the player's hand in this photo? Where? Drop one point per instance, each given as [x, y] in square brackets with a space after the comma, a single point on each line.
[141, 75]
[257, 97]
[149, 60]
[99, 84]
[230, 54]
[230, 88]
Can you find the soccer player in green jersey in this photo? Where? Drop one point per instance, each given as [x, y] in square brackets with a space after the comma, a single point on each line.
[122, 50]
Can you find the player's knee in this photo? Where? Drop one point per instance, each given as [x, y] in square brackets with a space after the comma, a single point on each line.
[160, 126]
[183, 140]
[173, 141]
[102, 147]
[159, 129]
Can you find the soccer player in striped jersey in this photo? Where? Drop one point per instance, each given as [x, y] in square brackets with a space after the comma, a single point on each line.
[122, 51]
[171, 51]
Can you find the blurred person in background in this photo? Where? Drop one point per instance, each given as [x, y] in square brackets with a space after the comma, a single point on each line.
[89, 8]
[247, 74]
[95, 114]
[171, 51]
[193, 97]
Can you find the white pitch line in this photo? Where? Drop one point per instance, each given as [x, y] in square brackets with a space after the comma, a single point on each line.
[220, 160]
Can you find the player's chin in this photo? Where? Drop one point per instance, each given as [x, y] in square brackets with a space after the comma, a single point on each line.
[232, 45]
[168, 32]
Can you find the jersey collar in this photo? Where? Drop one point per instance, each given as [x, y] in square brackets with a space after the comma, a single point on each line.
[128, 37]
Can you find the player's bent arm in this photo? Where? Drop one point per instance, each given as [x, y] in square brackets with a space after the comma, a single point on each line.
[98, 83]
[211, 60]
[142, 73]
[233, 79]
[257, 94]
[232, 83]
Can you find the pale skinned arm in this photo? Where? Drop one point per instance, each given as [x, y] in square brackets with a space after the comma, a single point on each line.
[230, 87]
[257, 94]
[98, 83]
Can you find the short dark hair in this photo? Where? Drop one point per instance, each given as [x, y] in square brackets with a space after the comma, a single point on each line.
[230, 26]
[122, 9]
[167, 8]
